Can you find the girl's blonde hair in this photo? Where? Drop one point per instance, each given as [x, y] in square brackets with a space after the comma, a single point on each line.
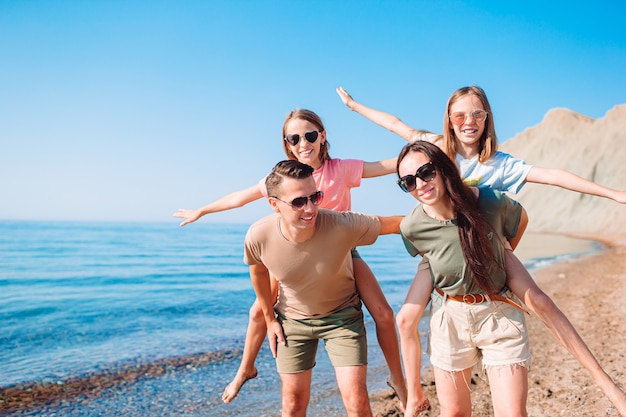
[488, 143]
[310, 117]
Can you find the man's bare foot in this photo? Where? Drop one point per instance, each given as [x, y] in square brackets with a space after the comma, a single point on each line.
[400, 390]
[232, 389]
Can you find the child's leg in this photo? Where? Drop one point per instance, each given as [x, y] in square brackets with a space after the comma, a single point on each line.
[408, 319]
[254, 340]
[524, 287]
[376, 303]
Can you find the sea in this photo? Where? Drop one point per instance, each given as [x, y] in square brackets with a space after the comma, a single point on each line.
[125, 319]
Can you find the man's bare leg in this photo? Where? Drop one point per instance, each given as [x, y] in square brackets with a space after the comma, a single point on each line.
[296, 392]
[352, 382]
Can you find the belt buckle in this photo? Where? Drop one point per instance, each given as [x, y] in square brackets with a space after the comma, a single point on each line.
[472, 297]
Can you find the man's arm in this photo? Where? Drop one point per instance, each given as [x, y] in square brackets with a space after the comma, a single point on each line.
[389, 224]
[260, 277]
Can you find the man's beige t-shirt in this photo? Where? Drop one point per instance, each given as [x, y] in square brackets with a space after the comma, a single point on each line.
[316, 278]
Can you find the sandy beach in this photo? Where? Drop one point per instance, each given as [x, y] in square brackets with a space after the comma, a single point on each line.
[591, 291]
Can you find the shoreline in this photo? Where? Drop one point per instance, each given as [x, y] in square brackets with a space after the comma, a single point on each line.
[589, 290]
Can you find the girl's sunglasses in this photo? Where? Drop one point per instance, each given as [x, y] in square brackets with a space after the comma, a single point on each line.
[300, 202]
[458, 118]
[311, 136]
[426, 172]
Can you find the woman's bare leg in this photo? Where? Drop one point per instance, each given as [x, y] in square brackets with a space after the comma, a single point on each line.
[509, 390]
[376, 303]
[453, 392]
[408, 319]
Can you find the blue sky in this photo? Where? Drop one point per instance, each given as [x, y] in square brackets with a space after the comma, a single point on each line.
[128, 110]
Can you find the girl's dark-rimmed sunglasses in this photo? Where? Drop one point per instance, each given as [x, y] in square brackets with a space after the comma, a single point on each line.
[311, 136]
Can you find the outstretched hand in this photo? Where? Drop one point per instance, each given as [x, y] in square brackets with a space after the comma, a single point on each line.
[190, 216]
[345, 97]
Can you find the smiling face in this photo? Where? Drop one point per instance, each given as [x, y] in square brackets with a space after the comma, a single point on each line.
[304, 151]
[430, 193]
[296, 221]
[469, 133]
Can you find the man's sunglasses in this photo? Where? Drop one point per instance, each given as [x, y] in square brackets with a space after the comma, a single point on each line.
[426, 172]
[300, 202]
[311, 136]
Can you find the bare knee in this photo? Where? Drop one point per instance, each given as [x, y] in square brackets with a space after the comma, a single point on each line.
[294, 404]
[358, 406]
[407, 323]
[256, 313]
[293, 407]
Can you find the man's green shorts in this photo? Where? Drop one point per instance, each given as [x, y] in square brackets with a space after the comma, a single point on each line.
[343, 334]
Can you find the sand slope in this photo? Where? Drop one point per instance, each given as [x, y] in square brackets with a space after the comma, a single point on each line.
[594, 149]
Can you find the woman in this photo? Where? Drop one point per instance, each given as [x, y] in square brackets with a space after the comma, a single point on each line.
[304, 139]
[466, 258]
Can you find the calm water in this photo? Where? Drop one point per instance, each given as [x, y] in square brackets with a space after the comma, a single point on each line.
[78, 298]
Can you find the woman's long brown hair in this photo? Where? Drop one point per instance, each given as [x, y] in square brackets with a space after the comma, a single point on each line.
[473, 228]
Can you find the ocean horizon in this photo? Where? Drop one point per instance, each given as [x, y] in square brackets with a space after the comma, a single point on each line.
[151, 317]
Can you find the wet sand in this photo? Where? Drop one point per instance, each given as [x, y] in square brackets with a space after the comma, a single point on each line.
[591, 291]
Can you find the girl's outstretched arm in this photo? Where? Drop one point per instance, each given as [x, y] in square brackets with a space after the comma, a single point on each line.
[230, 201]
[386, 120]
[570, 181]
[379, 168]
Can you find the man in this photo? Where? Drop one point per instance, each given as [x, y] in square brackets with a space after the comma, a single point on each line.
[307, 251]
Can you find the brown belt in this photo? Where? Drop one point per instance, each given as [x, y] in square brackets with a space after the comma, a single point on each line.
[480, 298]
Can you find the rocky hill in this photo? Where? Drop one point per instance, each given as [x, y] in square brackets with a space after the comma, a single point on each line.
[594, 149]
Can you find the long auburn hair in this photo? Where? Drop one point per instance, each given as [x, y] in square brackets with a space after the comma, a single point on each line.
[488, 144]
[473, 229]
[311, 117]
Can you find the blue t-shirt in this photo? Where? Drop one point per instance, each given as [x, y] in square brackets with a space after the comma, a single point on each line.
[500, 172]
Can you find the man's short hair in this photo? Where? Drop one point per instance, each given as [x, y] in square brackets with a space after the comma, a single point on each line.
[286, 169]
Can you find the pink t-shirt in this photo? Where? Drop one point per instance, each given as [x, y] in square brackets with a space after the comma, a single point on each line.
[335, 178]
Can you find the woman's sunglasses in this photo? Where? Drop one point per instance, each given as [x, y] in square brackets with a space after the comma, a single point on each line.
[311, 136]
[426, 172]
[300, 202]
